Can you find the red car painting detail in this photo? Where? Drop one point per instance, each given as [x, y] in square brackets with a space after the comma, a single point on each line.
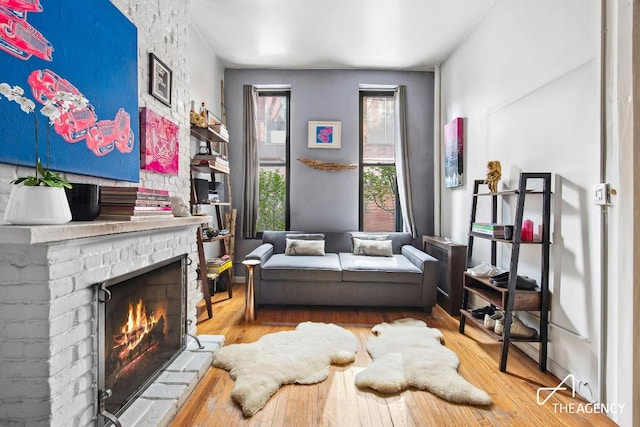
[73, 125]
[22, 5]
[20, 39]
[45, 84]
[107, 134]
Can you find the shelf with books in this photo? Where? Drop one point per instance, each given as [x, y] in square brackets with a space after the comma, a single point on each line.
[208, 134]
[211, 190]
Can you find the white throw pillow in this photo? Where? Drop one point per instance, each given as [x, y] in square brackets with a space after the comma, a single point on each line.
[372, 247]
[304, 247]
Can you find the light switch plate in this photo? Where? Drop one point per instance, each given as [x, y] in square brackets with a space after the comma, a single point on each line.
[601, 194]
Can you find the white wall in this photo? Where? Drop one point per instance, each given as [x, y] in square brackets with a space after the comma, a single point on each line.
[527, 81]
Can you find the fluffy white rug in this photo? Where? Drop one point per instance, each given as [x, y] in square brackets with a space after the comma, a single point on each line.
[407, 353]
[300, 356]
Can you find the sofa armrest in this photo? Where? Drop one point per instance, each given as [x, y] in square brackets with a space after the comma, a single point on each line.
[262, 253]
[419, 258]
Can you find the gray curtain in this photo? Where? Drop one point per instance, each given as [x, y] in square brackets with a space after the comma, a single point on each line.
[251, 163]
[403, 172]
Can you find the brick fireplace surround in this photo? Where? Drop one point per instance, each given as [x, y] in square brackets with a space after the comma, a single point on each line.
[48, 319]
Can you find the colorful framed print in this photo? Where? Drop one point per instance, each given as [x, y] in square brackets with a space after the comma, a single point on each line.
[68, 57]
[160, 80]
[453, 153]
[324, 134]
[158, 143]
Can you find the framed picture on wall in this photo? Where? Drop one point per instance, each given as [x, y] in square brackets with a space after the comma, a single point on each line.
[453, 153]
[324, 134]
[160, 80]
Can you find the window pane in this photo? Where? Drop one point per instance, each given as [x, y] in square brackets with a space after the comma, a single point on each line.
[272, 199]
[272, 128]
[379, 198]
[272, 154]
[378, 129]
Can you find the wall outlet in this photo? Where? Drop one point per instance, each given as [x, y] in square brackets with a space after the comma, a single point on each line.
[601, 194]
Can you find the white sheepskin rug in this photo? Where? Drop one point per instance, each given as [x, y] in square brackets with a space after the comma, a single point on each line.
[407, 353]
[300, 356]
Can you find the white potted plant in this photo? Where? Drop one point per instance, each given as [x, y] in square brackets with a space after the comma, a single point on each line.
[40, 198]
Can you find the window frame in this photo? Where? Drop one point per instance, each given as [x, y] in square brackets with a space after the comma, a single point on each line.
[361, 164]
[287, 94]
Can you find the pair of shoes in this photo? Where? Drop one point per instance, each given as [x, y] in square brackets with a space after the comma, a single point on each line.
[490, 321]
[479, 313]
[518, 329]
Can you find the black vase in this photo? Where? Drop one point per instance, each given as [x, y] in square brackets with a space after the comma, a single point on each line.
[84, 201]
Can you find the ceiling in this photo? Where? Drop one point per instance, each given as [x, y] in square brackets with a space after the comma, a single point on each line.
[307, 34]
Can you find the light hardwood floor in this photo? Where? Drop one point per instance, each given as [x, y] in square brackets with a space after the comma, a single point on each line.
[337, 402]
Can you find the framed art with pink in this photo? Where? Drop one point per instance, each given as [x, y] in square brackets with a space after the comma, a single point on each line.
[159, 143]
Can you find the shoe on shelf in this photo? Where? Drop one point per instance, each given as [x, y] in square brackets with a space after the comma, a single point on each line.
[520, 330]
[498, 328]
[484, 270]
[491, 320]
[479, 313]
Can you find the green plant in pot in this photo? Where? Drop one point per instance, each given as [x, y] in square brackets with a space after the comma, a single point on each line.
[40, 198]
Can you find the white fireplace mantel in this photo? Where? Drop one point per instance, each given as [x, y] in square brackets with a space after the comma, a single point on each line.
[35, 234]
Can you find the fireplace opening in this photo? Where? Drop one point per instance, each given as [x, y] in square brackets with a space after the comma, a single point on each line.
[142, 328]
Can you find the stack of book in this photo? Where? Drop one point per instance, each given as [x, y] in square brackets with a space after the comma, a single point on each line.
[490, 229]
[218, 265]
[134, 203]
[211, 160]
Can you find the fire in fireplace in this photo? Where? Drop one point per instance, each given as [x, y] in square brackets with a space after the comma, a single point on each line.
[141, 320]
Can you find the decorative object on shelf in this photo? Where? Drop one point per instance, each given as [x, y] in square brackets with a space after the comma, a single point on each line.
[84, 201]
[324, 134]
[160, 80]
[39, 198]
[159, 143]
[327, 166]
[453, 153]
[494, 173]
[179, 207]
[37, 205]
[196, 119]
[112, 47]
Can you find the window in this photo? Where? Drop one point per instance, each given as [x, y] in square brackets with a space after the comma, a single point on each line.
[273, 153]
[379, 210]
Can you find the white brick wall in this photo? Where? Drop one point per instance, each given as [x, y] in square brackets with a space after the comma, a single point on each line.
[48, 319]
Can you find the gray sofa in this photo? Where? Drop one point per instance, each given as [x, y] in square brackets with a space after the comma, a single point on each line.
[407, 278]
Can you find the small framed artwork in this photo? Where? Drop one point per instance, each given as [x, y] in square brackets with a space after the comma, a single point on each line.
[324, 134]
[158, 143]
[453, 153]
[160, 80]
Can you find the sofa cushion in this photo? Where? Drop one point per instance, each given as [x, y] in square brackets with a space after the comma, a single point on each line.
[394, 269]
[306, 236]
[302, 268]
[372, 247]
[304, 247]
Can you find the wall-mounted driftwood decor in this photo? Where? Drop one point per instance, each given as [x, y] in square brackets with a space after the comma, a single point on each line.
[327, 166]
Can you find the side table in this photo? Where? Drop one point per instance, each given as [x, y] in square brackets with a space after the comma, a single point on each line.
[249, 307]
[451, 258]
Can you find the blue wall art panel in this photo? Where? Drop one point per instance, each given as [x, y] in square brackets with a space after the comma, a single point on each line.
[77, 63]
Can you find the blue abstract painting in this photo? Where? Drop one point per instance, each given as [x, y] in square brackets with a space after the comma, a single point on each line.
[78, 63]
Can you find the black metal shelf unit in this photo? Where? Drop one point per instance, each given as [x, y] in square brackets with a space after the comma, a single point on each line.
[510, 298]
